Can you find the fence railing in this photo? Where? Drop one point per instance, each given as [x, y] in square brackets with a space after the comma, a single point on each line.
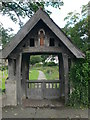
[43, 88]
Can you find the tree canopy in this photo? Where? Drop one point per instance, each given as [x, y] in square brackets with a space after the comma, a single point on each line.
[17, 10]
[77, 29]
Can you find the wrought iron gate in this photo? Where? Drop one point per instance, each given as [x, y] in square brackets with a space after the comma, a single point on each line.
[41, 89]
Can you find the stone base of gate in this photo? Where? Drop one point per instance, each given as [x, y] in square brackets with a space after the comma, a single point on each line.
[45, 103]
[10, 95]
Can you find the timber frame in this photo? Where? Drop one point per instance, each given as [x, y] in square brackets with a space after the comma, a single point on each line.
[19, 49]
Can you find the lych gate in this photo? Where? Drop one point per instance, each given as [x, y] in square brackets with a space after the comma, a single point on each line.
[40, 35]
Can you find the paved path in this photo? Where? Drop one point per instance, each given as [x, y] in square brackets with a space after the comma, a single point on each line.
[63, 112]
[41, 76]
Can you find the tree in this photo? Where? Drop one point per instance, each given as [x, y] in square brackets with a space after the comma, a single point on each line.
[5, 36]
[77, 29]
[35, 59]
[17, 9]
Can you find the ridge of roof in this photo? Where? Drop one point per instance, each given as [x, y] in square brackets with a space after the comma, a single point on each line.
[41, 14]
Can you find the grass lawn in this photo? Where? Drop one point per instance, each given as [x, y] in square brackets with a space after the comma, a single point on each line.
[33, 74]
[51, 73]
[3, 77]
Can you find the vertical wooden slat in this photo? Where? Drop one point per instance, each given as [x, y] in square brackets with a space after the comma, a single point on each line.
[52, 85]
[55, 85]
[37, 85]
[48, 85]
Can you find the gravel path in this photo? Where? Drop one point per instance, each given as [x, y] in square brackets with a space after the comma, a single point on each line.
[41, 76]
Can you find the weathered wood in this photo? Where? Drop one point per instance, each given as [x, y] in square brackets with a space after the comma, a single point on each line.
[18, 77]
[41, 81]
[25, 73]
[60, 76]
[46, 49]
[61, 35]
[66, 69]
[20, 48]
[30, 24]
[43, 89]
[20, 35]
[59, 68]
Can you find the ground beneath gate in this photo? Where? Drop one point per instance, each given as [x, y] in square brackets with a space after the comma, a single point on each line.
[63, 112]
[45, 103]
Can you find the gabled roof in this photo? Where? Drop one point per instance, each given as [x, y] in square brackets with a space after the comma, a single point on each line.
[41, 15]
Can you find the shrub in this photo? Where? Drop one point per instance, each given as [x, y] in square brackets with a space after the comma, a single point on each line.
[49, 64]
[38, 65]
[2, 68]
[79, 78]
[35, 59]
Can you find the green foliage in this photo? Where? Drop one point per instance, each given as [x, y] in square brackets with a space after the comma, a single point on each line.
[44, 57]
[3, 77]
[79, 34]
[33, 74]
[35, 59]
[2, 68]
[5, 36]
[38, 65]
[77, 29]
[17, 9]
[49, 64]
[79, 78]
[51, 73]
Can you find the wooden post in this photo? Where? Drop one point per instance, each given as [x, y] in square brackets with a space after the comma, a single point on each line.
[59, 68]
[25, 73]
[18, 76]
[61, 75]
[66, 69]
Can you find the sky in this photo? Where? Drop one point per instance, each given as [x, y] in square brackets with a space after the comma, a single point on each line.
[57, 15]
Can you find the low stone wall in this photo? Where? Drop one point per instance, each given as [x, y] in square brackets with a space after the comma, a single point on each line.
[9, 98]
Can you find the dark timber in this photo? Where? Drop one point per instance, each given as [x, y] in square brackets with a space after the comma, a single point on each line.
[40, 35]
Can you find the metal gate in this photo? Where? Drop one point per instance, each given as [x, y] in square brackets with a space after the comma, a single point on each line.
[43, 89]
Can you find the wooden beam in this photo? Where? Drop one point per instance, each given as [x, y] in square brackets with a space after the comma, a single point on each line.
[42, 49]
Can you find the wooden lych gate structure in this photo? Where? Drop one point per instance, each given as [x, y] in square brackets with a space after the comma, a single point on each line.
[40, 35]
